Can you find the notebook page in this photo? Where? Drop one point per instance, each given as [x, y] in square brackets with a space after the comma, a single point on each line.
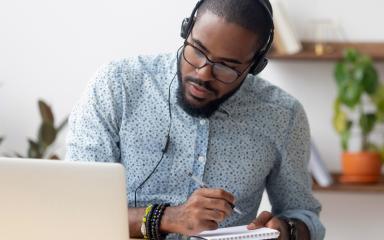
[222, 233]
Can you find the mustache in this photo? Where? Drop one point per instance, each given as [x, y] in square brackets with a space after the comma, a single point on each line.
[203, 84]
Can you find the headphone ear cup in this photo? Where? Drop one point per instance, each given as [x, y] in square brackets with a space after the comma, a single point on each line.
[258, 66]
[184, 28]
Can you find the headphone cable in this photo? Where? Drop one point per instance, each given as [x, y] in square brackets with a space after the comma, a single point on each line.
[164, 150]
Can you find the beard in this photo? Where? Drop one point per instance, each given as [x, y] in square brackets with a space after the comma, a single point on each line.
[203, 111]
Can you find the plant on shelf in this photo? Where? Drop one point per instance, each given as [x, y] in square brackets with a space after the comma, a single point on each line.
[47, 134]
[360, 105]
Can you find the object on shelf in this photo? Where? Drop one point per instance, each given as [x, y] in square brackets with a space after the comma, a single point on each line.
[286, 40]
[373, 49]
[318, 168]
[361, 167]
[358, 107]
[322, 32]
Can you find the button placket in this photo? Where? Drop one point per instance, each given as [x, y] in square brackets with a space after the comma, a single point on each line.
[201, 159]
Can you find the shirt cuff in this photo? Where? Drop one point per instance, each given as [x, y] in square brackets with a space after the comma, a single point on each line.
[315, 227]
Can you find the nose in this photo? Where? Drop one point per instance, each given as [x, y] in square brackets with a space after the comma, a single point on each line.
[205, 73]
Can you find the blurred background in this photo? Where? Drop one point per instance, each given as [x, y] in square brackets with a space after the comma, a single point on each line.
[50, 49]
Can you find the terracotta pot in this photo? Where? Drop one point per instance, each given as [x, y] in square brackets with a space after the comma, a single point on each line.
[360, 167]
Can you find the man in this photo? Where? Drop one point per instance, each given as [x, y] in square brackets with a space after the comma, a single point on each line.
[217, 122]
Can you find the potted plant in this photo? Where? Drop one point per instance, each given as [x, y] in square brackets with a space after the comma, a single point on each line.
[359, 105]
[39, 148]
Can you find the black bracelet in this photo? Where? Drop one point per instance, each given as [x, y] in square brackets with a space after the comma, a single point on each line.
[160, 235]
[292, 231]
[157, 221]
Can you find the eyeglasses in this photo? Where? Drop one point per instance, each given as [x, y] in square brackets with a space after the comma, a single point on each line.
[220, 71]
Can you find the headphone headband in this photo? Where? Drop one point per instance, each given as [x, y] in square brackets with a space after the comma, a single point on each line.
[260, 60]
[186, 26]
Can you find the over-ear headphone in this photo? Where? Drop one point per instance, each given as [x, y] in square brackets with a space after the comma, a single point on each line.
[259, 61]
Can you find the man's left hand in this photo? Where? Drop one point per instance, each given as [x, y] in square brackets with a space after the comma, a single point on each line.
[266, 219]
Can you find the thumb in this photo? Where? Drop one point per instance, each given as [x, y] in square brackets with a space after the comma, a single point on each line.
[260, 220]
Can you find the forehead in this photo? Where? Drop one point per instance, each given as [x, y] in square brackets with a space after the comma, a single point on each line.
[223, 38]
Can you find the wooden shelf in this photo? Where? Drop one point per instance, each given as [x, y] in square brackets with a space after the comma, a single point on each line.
[359, 188]
[333, 52]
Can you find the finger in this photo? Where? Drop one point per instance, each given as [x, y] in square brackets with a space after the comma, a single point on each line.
[261, 220]
[209, 225]
[217, 193]
[220, 205]
[213, 215]
[279, 225]
[202, 202]
[211, 204]
[274, 223]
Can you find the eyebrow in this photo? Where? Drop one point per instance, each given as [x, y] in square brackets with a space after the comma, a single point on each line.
[224, 59]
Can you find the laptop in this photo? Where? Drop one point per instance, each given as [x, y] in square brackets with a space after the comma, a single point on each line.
[61, 200]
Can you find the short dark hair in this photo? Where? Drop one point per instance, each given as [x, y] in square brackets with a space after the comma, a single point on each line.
[250, 14]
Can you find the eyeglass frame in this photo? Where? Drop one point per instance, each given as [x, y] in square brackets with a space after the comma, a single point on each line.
[208, 61]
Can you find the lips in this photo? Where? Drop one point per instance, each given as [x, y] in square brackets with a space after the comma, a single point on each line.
[197, 91]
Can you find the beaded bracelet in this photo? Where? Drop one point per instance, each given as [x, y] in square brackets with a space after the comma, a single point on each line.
[153, 222]
[148, 224]
[145, 219]
[161, 213]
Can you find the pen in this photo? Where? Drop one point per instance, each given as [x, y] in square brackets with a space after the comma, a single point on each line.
[203, 185]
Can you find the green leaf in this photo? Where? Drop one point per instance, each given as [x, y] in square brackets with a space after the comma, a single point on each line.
[341, 73]
[62, 125]
[345, 139]
[340, 121]
[47, 133]
[380, 106]
[358, 73]
[366, 60]
[370, 80]
[34, 150]
[380, 117]
[351, 54]
[367, 122]
[381, 152]
[378, 97]
[337, 105]
[46, 112]
[350, 94]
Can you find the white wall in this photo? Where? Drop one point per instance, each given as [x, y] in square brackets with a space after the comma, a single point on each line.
[50, 49]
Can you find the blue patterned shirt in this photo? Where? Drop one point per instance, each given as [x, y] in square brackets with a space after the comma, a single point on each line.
[258, 139]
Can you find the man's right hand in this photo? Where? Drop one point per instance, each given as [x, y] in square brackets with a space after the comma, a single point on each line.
[204, 210]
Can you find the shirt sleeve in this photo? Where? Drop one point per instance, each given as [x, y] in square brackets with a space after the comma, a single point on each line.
[95, 121]
[289, 183]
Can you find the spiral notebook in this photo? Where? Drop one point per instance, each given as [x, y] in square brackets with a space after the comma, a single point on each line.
[239, 232]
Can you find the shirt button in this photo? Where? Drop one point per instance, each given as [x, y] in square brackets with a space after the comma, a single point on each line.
[202, 121]
[201, 159]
